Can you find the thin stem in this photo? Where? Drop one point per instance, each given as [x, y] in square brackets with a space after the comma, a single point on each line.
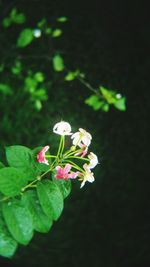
[74, 165]
[74, 157]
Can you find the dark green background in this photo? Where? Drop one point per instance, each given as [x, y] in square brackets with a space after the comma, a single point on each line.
[106, 223]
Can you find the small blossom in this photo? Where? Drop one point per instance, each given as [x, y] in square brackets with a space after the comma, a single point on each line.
[93, 160]
[81, 138]
[83, 152]
[41, 155]
[62, 128]
[63, 173]
[87, 176]
[37, 33]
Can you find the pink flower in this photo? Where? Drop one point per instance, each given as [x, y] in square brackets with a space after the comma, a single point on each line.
[83, 152]
[63, 173]
[41, 155]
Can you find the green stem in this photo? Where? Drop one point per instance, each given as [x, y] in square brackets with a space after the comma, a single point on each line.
[75, 166]
[74, 157]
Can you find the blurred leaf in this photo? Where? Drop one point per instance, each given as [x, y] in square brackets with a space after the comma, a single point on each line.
[109, 95]
[19, 221]
[12, 181]
[30, 84]
[8, 245]
[1, 165]
[6, 22]
[40, 94]
[16, 69]
[121, 104]
[5, 89]
[71, 75]
[105, 107]
[94, 102]
[25, 38]
[58, 63]
[57, 33]
[39, 77]
[50, 198]
[41, 222]
[62, 19]
[41, 24]
[38, 104]
[1, 67]
[19, 18]
[48, 31]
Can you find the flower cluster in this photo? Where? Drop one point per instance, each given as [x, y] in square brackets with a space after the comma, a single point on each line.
[64, 163]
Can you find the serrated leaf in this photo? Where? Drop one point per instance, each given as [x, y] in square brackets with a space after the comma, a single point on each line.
[58, 63]
[121, 104]
[19, 221]
[8, 245]
[12, 181]
[50, 198]
[64, 186]
[25, 38]
[41, 222]
[21, 157]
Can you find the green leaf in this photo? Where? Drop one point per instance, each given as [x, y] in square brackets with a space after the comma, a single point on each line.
[39, 77]
[121, 104]
[95, 102]
[25, 38]
[50, 198]
[109, 95]
[38, 104]
[19, 221]
[105, 107]
[1, 165]
[30, 84]
[58, 63]
[62, 19]
[6, 22]
[5, 89]
[71, 75]
[57, 33]
[19, 18]
[64, 186]
[12, 181]
[8, 245]
[21, 157]
[41, 222]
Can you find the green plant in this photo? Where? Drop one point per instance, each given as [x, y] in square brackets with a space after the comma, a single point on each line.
[34, 185]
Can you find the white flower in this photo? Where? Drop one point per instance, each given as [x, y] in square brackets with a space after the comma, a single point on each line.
[93, 160]
[81, 138]
[88, 175]
[62, 128]
[37, 33]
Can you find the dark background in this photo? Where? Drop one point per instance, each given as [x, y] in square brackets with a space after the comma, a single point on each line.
[107, 223]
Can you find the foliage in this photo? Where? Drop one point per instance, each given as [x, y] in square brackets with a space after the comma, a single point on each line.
[36, 81]
[29, 200]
